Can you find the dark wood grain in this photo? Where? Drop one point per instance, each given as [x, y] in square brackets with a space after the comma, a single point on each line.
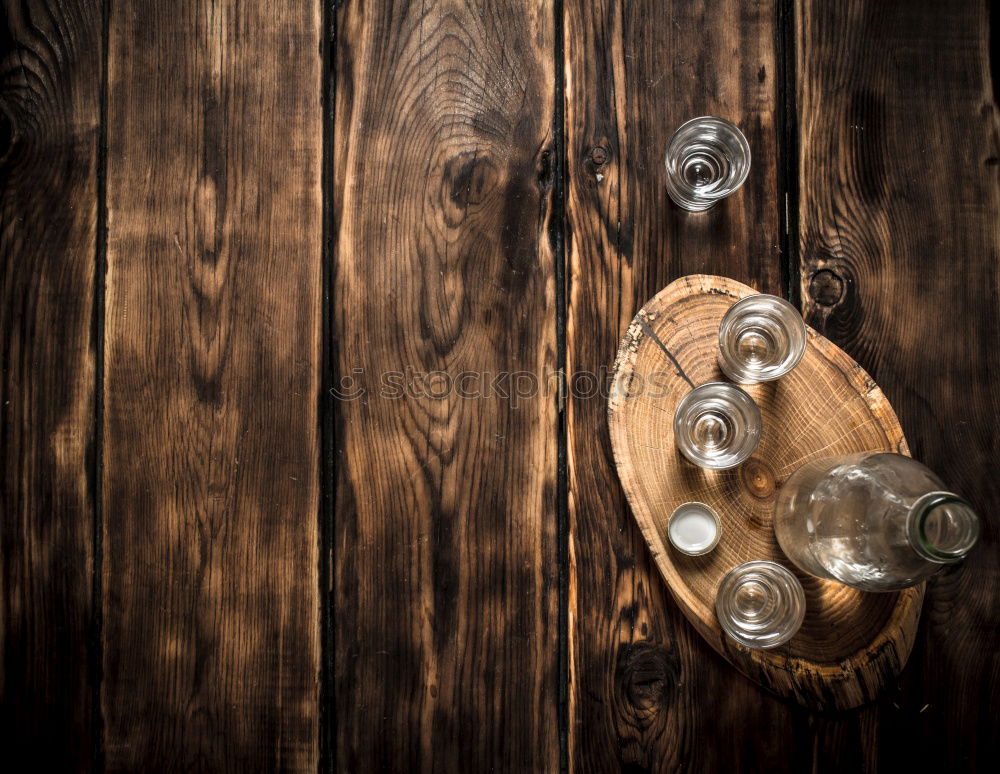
[900, 239]
[49, 118]
[187, 497]
[445, 539]
[646, 692]
[212, 345]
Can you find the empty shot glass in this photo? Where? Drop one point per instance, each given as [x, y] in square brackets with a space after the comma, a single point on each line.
[760, 604]
[707, 159]
[761, 338]
[717, 426]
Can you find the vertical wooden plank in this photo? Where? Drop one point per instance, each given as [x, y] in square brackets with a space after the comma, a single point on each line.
[900, 239]
[49, 119]
[445, 534]
[646, 692]
[212, 375]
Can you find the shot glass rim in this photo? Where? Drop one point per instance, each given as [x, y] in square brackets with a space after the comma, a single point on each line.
[798, 592]
[792, 364]
[758, 421]
[741, 138]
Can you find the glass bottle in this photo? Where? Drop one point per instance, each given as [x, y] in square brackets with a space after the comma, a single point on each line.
[875, 521]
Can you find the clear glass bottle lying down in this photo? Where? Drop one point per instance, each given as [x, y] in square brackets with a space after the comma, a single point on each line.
[874, 521]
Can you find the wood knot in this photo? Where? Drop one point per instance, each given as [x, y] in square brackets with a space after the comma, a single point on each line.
[546, 171]
[599, 156]
[826, 287]
[469, 178]
[647, 675]
[7, 134]
[758, 478]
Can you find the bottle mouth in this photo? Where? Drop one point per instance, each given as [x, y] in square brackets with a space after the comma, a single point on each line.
[942, 527]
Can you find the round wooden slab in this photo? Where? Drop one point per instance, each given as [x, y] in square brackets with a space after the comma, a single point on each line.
[852, 642]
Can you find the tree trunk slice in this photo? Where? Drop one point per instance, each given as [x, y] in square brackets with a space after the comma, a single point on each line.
[851, 642]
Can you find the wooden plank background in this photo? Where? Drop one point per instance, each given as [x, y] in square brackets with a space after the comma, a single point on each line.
[639, 675]
[211, 376]
[49, 200]
[445, 597]
[899, 213]
[303, 468]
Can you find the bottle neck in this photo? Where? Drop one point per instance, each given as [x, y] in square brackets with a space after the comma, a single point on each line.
[942, 527]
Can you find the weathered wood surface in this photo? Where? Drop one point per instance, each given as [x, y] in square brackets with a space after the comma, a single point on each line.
[851, 644]
[445, 608]
[900, 238]
[211, 384]
[49, 124]
[641, 677]
[449, 521]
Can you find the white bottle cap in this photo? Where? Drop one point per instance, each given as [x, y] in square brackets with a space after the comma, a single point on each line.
[694, 528]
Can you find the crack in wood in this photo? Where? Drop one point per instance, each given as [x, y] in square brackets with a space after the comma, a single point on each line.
[652, 334]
